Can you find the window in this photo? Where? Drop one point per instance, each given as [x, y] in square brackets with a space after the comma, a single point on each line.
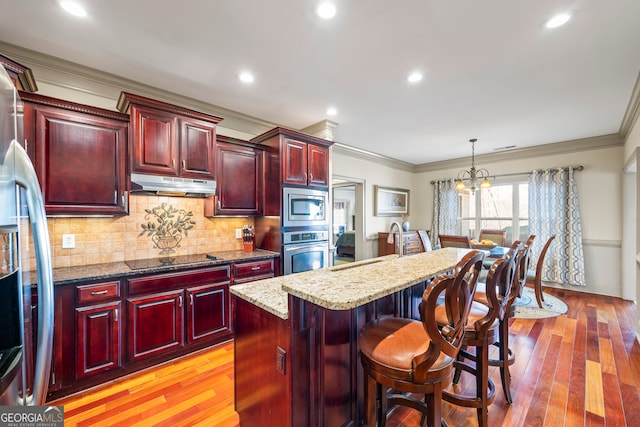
[503, 206]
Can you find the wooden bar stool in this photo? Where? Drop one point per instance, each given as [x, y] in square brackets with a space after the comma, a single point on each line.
[411, 356]
[480, 333]
[505, 355]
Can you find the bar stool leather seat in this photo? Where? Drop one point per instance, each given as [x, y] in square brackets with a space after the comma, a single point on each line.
[417, 356]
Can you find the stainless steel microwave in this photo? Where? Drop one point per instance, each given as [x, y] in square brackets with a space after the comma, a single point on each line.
[304, 207]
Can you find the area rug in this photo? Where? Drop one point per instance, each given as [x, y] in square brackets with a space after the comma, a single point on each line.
[527, 307]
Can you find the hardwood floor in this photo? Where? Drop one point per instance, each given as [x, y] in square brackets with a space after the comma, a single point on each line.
[581, 368]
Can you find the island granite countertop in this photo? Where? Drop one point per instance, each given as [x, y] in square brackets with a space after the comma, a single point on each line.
[106, 271]
[347, 286]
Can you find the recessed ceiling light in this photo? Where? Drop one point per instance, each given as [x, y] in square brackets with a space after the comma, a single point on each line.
[246, 77]
[326, 10]
[557, 20]
[331, 111]
[73, 8]
[414, 77]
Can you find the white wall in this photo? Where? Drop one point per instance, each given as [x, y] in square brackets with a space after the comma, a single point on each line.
[374, 174]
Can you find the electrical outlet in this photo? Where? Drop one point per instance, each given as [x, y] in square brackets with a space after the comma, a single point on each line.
[238, 233]
[68, 241]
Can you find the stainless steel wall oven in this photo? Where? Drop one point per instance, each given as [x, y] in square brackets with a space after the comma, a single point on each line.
[305, 250]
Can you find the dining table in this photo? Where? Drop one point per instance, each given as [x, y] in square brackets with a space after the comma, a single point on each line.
[491, 253]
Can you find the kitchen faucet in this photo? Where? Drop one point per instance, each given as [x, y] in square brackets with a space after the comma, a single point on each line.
[400, 236]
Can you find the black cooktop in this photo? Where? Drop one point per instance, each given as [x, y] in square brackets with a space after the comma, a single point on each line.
[142, 264]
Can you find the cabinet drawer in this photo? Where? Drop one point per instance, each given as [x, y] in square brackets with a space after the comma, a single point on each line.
[255, 268]
[160, 282]
[97, 292]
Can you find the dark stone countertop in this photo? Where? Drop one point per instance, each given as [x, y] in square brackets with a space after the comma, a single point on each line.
[67, 275]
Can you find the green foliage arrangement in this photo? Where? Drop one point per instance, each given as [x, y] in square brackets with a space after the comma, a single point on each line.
[167, 221]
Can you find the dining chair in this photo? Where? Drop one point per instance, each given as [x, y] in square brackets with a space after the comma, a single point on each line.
[499, 237]
[482, 332]
[424, 238]
[416, 356]
[453, 241]
[535, 280]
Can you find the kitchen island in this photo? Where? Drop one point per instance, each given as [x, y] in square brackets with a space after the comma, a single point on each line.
[296, 354]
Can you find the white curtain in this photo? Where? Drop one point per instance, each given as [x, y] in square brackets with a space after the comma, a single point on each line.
[445, 210]
[554, 209]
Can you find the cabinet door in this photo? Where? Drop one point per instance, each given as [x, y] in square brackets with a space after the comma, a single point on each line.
[81, 161]
[208, 312]
[239, 174]
[197, 144]
[294, 162]
[98, 338]
[155, 324]
[154, 145]
[318, 165]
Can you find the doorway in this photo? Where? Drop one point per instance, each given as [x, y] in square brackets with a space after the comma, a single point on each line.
[347, 195]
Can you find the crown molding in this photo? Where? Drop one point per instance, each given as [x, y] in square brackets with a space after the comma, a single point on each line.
[571, 146]
[357, 153]
[633, 110]
[323, 129]
[58, 72]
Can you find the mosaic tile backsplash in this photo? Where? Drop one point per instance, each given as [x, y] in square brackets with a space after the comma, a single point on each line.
[103, 240]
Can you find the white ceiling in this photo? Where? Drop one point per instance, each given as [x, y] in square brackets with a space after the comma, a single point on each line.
[491, 70]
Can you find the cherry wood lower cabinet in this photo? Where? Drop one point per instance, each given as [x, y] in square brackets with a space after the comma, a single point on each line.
[305, 370]
[127, 324]
[98, 328]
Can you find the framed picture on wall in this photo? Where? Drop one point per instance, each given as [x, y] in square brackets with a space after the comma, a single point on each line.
[390, 201]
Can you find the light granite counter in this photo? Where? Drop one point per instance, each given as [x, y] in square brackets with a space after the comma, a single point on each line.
[348, 286]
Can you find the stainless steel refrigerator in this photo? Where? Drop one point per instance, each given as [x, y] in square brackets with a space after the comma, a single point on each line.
[22, 382]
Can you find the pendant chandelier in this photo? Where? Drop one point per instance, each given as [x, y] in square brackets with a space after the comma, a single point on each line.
[473, 175]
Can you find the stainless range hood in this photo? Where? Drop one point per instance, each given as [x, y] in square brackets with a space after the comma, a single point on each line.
[171, 186]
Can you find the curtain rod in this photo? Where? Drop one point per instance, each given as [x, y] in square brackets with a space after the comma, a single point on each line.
[578, 168]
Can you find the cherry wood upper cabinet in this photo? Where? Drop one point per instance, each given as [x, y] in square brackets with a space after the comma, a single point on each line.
[318, 165]
[21, 75]
[305, 163]
[197, 144]
[239, 178]
[79, 153]
[297, 158]
[170, 140]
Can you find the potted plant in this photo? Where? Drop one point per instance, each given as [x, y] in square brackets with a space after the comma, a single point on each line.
[166, 225]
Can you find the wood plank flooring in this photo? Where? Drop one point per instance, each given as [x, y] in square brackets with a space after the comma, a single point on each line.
[578, 369]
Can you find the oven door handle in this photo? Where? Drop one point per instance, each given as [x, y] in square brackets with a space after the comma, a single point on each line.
[305, 246]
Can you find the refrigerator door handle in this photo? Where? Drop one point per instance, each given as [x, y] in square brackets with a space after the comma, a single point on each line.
[26, 178]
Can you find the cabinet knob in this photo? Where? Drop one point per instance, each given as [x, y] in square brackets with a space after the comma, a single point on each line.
[310, 177]
[184, 164]
[102, 292]
[256, 268]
